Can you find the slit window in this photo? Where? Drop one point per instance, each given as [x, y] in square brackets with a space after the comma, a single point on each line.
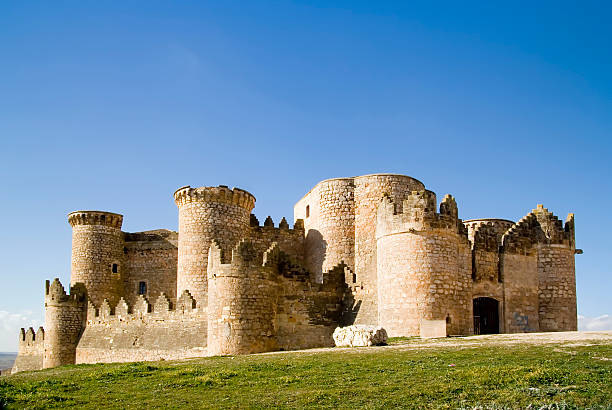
[142, 288]
[115, 268]
[307, 211]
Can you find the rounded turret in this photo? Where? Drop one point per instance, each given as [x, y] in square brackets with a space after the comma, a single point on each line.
[205, 214]
[242, 300]
[424, 266]
[97, 254]
[65, 316]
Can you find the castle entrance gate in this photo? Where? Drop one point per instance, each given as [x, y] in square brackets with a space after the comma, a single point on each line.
[486, 316]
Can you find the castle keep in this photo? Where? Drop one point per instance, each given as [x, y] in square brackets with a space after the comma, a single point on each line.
[374, 250]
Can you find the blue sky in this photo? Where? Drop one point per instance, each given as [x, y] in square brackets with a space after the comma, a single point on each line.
[114, 105]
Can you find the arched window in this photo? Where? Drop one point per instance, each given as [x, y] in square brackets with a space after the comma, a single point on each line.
[307, 211]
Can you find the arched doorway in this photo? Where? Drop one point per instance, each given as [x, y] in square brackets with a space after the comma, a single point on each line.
[486, 316]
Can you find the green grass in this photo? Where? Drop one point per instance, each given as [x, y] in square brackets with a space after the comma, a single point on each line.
[488, 376]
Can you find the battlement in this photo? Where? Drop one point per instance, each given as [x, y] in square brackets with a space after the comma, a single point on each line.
[161, 309]
[220, 194]
[486, 234]
[283, 224]
[95, 218]
[56, 294]
[418, 213]
[539, 226]
[245, 260]
[31, 339]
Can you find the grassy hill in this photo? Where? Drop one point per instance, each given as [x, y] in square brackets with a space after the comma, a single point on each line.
[450, 373]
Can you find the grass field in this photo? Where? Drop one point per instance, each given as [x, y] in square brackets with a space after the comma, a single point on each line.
[408, 374]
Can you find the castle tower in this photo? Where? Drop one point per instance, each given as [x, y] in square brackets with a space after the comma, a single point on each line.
[423, 265]
[556, 272]
[242, 300]
[369, 189]
[97, 254]
[65, 317]
[328, 212]
[205, 214]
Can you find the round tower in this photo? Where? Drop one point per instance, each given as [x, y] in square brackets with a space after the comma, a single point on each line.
[205, 214]
[97, 254]
[369, 189]
[242, 301]
[424, 266]
[328, 211]
[65, 316]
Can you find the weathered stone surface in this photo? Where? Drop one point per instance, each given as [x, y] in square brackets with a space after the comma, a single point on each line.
[375, 249]
[359, 335]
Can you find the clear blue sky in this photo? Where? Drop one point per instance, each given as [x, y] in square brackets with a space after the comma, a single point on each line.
[114, 105]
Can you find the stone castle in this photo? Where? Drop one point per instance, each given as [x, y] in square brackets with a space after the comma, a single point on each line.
[374, 250]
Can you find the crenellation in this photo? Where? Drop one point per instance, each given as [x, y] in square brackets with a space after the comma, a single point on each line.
[375, 249]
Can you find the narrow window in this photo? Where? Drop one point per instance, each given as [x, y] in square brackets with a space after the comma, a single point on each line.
[354, 278]
[142, 288]
[307, 211]
[115, 268]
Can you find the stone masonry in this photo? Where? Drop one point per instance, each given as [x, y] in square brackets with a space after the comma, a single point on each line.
[374, 250]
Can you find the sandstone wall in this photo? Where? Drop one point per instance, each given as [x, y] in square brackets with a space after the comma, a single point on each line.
[144, 332]
[424, 267]
[151, 257]
[290, 241]
[369, 189]
[64, 322]
[242, 302]
[31, 350]
[97, 245]
[205, 214]
[328, 212]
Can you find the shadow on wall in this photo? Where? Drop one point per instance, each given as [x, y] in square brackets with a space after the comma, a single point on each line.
[315, 249]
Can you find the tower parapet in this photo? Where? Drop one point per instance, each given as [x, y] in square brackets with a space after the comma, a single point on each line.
[205, 214]
[65, 317]
[97, 254]
[424, 265]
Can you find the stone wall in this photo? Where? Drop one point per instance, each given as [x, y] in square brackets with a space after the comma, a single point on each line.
[289, 241]
[242, 301]
[205, 214]
[64, 322]
[31, 350]
[151, 257]
[328, 212]
[97, 252]
[144, 332]
[424, 266]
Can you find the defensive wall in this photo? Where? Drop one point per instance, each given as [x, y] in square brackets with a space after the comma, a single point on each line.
[375, 249]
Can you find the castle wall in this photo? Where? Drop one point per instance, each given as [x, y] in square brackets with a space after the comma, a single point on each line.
[31, 350]
[205, 214]
[151, 257]
[329, 225]
[520, 271]
[97, 245]
[64, 322]
[144, 332]
[308, 313]
[557, 288]
[424, 267]
[290, 241]
[242, 302]
[369, 189]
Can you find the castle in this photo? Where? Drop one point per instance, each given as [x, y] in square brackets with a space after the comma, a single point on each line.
[374, 249]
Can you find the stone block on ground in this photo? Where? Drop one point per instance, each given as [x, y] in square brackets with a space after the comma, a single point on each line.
[359, 335]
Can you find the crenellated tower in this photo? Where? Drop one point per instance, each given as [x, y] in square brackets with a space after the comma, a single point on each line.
[423, 265]
[65, 319]
[97, 254]
[205, 214]
[242, 299]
